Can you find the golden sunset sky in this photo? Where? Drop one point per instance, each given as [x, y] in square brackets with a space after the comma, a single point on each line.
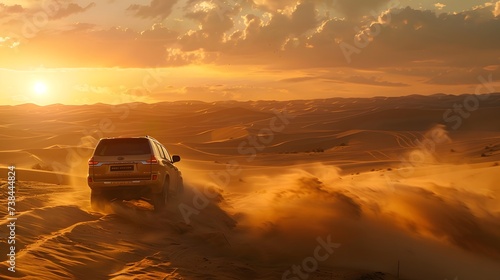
[115, 51]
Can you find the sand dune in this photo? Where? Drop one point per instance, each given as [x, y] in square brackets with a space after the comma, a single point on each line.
[386, 180]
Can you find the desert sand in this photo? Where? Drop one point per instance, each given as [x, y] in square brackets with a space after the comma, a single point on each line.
[381, 180]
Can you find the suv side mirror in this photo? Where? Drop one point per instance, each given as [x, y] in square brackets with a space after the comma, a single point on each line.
[176, 158]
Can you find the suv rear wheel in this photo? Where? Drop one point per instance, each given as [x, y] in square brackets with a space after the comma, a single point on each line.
[97, 200]
[160, 199]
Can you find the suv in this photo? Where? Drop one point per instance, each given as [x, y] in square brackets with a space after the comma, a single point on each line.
[134, 166]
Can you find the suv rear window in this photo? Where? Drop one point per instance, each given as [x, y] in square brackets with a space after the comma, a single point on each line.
[123, 146]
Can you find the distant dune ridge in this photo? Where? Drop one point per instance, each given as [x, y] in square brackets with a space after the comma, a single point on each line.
[412, 179]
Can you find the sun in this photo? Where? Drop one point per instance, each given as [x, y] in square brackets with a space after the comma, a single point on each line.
[40, 88]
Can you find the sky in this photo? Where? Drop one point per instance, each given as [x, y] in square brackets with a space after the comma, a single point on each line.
[85, 52]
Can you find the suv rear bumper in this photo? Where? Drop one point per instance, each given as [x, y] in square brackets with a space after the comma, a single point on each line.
[155, 186]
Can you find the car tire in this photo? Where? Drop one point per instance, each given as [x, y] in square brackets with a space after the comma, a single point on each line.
[160, 199]
[180, 187]
[97, 200]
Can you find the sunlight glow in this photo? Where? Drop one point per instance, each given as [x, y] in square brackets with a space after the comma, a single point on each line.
[40, 88]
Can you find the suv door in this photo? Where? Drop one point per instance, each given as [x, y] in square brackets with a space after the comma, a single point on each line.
[172, 169]
[178, 174]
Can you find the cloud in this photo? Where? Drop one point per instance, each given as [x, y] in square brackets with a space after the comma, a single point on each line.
[112, 47]
[360, 8]
[303, 18]
[274, 5]
[374, 81]
[356, 79]
[213, 23]
[496, 12]
[7, 13]
[212, 26]
[218, 91]
[462, 76]
[80, 26]
[71, 9]
[157, 8]
[302, 37]
[177, 57]
[6, 9]
[299, 79]
[411, 38]
[274, 34]
[209, 92]
[158, 33]
[439, 6]
[86, 88]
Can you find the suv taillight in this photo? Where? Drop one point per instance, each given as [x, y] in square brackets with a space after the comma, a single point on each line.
[92, 161]
[152, 160]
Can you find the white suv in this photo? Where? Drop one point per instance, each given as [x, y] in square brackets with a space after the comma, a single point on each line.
[133, 167]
